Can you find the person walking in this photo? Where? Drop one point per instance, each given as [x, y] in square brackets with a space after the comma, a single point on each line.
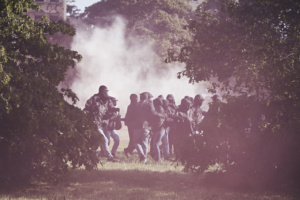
[172, 108]
[97, 107]
[158, 129]
[197, 113]
[183, 124]
[144, 112]
[168, 124]
[109, 130]
[130, 122]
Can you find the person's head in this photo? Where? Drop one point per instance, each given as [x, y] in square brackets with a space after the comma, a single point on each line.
[150, 96]
[143, 96]
[170, 98]
[198, 100]
[165, 104]
[161, 97]
[157, 102]
[215, 98]
[133, 98]
[190, 99]
[103, 92]
[185, 104]
[113, 100]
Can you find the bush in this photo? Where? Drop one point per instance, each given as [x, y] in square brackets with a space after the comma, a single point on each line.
[41, 135]
[235, 136]
[44, 149]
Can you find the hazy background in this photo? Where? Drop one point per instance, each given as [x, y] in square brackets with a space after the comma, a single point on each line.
[109, 60]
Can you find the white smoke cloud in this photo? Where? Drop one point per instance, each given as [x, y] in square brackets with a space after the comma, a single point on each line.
[109, 60]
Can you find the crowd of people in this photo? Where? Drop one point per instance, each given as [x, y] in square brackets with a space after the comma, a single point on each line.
[155, 121]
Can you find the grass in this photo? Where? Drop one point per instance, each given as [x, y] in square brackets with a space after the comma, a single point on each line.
[132, 180]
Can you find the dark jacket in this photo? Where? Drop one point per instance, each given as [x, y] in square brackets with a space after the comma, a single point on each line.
[170, 112]
[145, 112]
[130, 116]
[97, 108]
[183, 120]
[157, 122]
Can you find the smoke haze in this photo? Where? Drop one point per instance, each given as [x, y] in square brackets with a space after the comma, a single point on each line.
[109, 60]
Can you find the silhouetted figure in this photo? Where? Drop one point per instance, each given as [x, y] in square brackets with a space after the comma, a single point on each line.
[197, 113]
[109, 130]
[145, 111]
[130, 122]
[169, 121]
[213, 128]
[157, 128]
[172, 107]
[183, 124]
[190, 99]
[152, 151]
[210, 121]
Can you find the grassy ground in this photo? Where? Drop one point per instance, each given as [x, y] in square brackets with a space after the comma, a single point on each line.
[129, 179]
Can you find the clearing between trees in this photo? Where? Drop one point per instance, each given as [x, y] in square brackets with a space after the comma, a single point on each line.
[130, 179]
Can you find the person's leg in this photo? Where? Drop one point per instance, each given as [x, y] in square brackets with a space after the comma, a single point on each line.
[104, 146]
[171, 136]
[178, 142]
[116, 139]
[152, 151]
[157, 137]
[145, 141]
[107, 134]
[131, 145]
[165, 144]
[137, 137]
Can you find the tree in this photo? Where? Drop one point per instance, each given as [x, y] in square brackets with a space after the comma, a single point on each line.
[159, 23]
[72, 10]
[41, 134]
[252, 47]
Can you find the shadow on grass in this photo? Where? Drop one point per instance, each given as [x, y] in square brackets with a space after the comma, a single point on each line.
[133, 184]
[112, 184]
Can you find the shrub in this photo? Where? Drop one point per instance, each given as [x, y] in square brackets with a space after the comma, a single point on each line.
[236, 137]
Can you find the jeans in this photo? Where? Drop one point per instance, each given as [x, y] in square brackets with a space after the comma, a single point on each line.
[165, 143]
[157, 137]
[141, 138]
[104, 146]
[115, 137]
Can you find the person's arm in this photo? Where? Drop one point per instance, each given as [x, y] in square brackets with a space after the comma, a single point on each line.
[89, 106]
[111, 114]
[127, 115]
[153, 112]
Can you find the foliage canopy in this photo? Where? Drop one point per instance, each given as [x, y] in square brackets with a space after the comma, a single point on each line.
[252, 47]
[40, 132]
[156, 22]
